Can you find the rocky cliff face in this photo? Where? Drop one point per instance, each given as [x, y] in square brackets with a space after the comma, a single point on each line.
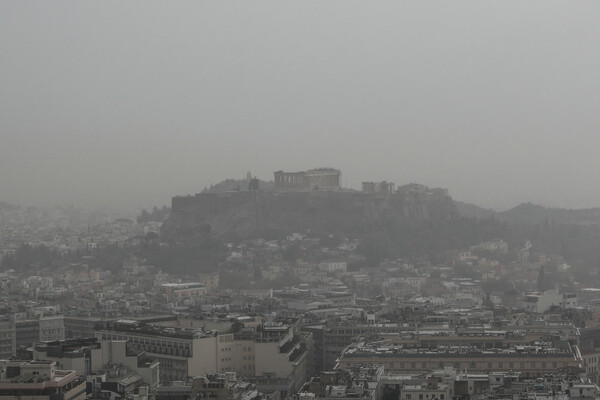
[239, 215]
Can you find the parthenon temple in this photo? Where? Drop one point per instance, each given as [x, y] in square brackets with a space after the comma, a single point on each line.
[314, 179]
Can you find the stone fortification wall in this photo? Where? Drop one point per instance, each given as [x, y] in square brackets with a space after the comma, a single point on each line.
[272, 213]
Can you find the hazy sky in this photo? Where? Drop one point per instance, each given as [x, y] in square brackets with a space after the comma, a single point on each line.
[128, 103]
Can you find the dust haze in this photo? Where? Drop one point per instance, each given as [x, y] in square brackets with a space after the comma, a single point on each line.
[124, 104]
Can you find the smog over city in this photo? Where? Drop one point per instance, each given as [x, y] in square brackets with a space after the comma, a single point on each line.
[392, 200]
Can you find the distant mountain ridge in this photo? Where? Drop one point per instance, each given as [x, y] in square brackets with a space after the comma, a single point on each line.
[533, 214]
[537, 214]
[472, 210]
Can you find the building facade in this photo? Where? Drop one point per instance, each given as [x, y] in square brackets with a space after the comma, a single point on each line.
[40, 380]
[7, 339]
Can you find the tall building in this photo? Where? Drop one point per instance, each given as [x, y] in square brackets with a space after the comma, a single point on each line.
[7, 339]
[31, 330]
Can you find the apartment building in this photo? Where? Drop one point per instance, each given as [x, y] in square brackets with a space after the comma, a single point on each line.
[533, 360]
[93, 356]
[40, 380]
[274, 349]
[7, 338]
[181, 291]
[181, 353]
[43, 328]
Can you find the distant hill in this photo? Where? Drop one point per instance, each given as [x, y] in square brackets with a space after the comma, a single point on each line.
[532, 214]
[389, 226]
[471, 210]
[272, 214]
[411, 223]
[528, 213]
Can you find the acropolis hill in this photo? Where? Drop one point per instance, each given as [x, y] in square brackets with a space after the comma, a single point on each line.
[311, 200]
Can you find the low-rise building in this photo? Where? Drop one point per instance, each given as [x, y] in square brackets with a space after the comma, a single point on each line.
[40, 380]
[533, 360]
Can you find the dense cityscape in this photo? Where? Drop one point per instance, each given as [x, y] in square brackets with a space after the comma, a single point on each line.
[299, 200]
[95, 305]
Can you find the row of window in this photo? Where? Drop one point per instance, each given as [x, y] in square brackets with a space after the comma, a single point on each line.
[474, 365]
[409, 396]
[142, 340]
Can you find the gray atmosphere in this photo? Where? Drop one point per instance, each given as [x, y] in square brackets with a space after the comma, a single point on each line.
[124, 104]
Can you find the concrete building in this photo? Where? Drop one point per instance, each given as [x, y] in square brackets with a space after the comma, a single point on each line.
[181, 353]
[31, 330]
[83, 327]
[181, 291]
[52, 328]
[40, 380]
[7, 339]
[540, 302]
[274, 351]
[494, 246]
[210, 281]
[27, 332]
[533, 361]
[430, 391]
[90, 356]
[361, 381]
[333, 266]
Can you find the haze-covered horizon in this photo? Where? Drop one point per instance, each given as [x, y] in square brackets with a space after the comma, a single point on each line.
[123, 105]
